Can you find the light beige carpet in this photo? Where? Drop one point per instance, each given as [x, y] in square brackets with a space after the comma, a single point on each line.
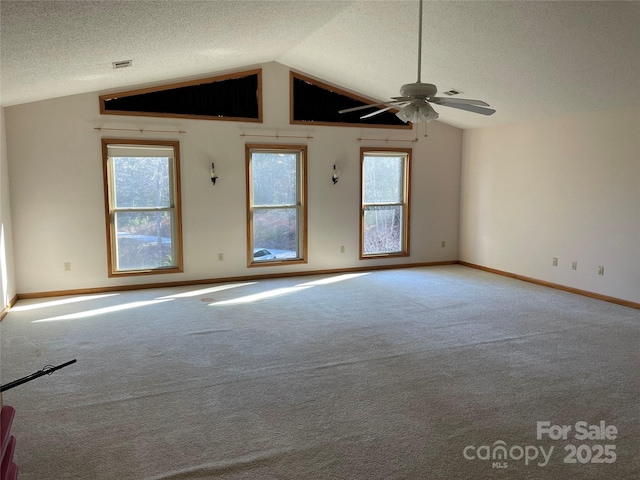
[418, 373]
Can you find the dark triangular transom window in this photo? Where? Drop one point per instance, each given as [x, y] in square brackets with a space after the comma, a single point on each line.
[318, 103]
[230, 97]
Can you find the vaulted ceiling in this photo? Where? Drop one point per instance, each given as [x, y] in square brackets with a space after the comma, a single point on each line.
[528, 59]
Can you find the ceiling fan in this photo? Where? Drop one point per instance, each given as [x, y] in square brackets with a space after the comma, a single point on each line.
[415, 98]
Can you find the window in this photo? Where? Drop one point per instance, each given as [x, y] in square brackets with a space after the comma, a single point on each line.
[142, 203]
[384, 216]
[315, 102]
[276, 204]
[232, 97]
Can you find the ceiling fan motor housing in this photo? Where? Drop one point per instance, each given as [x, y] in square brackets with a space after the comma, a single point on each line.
[418, 90]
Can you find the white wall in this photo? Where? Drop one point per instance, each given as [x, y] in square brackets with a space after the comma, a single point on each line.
[7, 273]
[58, 206]
[567, 188]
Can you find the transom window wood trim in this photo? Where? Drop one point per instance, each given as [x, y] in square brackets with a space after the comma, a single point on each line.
[231, 97]
[312, 101]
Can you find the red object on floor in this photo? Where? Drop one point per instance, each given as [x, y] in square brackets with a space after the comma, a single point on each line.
[8, 469]
[13, 472]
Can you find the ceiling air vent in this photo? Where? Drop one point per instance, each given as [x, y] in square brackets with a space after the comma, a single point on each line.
[452, 92]
[122, 64]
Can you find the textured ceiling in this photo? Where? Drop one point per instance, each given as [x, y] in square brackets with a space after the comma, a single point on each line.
[528, 59]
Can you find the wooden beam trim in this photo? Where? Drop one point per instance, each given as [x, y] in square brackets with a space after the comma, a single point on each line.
[6, 309]
[83, 291]
[557, 286]
[59, 293]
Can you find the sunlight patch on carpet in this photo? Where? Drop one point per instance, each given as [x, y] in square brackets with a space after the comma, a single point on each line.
[64, 301]
[261, 296]
[204, 291]
[101, 311]
[338, 278]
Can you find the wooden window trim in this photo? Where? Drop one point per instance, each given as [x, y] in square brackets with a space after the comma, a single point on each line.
[326, 86]
[109, 225]
[303, 199]
[407, 200]
[189, 83]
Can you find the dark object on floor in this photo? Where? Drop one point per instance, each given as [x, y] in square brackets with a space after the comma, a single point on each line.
[48, 370]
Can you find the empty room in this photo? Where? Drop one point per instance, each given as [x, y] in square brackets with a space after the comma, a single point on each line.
[319, 239]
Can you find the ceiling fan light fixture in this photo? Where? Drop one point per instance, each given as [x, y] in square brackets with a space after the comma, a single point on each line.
[407, 114]
[427, 113]
[416, 113]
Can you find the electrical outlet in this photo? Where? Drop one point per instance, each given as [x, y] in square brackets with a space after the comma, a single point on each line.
[67, 266]
[341, 248]
[555, 261]
[600, 270]
[574, 265]
[220, 257]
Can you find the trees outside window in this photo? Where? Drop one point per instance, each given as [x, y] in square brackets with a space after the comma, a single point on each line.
[142, 204]
[276, 204]
[384, 216]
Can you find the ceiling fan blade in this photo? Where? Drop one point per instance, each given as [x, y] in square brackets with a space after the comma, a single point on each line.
[443, 101]
[377, 112]
[403, 99]
[355, 109]
[391, 103]
[469, 108]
